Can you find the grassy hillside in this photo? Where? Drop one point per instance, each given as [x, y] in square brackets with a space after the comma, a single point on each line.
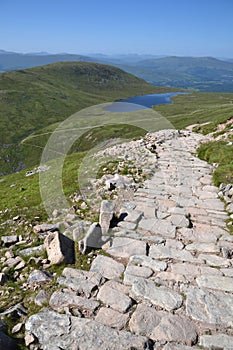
[35, 98]
[197, 107]
[198, 73]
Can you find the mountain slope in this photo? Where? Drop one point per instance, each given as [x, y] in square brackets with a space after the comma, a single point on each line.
[35, 98]
[199, 73]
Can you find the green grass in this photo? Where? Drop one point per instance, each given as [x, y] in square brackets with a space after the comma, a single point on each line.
[198, 108]
[219, 152]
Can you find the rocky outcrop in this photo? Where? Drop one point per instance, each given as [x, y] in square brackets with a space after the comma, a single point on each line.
[165, 279]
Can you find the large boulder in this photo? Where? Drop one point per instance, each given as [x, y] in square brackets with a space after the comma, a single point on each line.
[60, 249]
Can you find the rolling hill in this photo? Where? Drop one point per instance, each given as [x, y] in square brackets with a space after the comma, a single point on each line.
[35, 98]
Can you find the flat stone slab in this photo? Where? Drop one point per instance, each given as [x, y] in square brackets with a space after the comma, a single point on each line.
[112, 318]
[147, 261]
[161, 252]
[209, 306]
[158, 227]
[55, 332]
[133, 272]
[222, 283]
[179, 347]
[220, 341]
[92, 276]
[114, 298]
[203, 247]
[159, 296]
[162, 326]
[62, 299]
[180, 220]
[133, 216]
[214, 260]
[190, 271]
[107, 267]
[126, 247]
[78, 285]
[127, 225]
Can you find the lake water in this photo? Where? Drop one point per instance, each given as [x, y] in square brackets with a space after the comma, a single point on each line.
[136, 103]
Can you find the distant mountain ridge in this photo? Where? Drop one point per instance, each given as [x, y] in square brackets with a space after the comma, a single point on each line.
[196, 73]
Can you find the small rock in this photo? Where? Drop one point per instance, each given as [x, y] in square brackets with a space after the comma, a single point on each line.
[38, 276]
[17, 328]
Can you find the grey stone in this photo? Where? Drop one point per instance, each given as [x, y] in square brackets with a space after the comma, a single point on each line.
[126, 247]
[127, 225]
[92, 240]
[190, 271]
[79, 229]
[41, 298]
[78, 285]
[92, 276]
[46, 227]
[170, 276]
[212, 282]
[220, 341]
[147, 261]
[179, 347]
[161, 252]
[38, 276]
[162, 326]
[180, 220]
[35, 251]
[112, 318]
[159, 296]
[227, 272]
[106, 214]
[107, 267]
[63, 299]
[114, 298]
[133, 272]
[214, 260]
[158, 227]
[9, 240]
[133, 216]
[59, 248]
[203, 247]
[209, 306]
[55, 331]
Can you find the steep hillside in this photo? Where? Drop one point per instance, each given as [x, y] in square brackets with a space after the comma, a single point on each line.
[35, 98]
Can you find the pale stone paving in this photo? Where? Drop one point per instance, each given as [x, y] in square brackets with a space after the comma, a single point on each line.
[169, 278]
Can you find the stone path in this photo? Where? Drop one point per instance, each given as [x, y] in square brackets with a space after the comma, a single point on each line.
[167, 283]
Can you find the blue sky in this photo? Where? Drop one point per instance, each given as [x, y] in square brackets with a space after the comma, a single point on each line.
[172, 27]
